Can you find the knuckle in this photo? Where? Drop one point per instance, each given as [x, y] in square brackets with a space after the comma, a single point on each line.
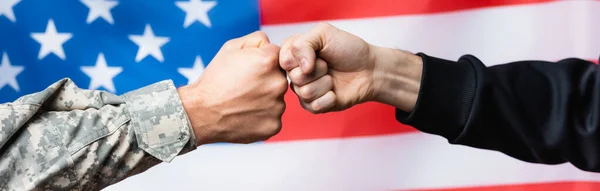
[281, 86]
[261, 34]
[230, 43]
[256, 39]
[269, 59]
[272, 128]
[308, 107]
[306, 92]
[297, 77]
[316, 106]
[265, 64]
[285, 54]
[312, 110]
[285, 45]
[296, 46]
[227, 45]
[286, 62]
[281, 108]
[324, 103]
[277, 128]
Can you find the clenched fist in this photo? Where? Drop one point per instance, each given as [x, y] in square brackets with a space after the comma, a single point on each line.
[333, 70]
[239, 98]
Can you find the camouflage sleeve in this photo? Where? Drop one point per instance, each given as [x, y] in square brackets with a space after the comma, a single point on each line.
[66, 138]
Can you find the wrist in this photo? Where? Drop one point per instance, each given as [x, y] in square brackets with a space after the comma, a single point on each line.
[199, 115]
[397, 78]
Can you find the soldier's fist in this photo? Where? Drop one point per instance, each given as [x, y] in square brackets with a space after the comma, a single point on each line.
[239, 98]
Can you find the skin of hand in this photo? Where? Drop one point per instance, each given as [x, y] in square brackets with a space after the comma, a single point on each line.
[333, 70]
[239, 97]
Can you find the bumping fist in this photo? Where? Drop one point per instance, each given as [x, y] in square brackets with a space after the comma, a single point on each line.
[340, 77]
[239, 98]
[333, 70]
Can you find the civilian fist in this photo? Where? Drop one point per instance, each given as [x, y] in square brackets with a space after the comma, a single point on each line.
[331, 70]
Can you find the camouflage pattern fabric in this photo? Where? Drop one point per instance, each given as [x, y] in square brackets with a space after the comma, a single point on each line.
[67, 138]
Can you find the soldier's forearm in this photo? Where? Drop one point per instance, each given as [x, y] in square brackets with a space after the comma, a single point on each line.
[68, 138]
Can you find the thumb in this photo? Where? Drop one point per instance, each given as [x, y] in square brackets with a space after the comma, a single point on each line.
[305, 46]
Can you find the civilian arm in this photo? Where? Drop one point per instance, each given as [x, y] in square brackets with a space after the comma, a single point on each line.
[535, 111]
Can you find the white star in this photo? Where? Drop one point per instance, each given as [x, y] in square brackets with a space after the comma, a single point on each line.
[8, 73]
[196, 10]
[101, 75]
[192, 74]
[149, 44]
[6, 9]
[99, 8]
[51, 41]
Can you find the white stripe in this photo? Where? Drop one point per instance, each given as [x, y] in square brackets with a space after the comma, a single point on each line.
[550, 31]
[408, 161]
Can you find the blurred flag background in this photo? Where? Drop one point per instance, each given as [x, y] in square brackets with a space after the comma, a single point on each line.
[122, 45]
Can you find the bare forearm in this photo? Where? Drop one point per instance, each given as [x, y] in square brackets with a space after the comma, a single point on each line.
[397, 77]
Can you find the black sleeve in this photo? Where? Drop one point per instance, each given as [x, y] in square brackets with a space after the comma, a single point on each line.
[535, 111]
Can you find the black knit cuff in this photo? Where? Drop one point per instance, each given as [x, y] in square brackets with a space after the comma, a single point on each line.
[446, 97]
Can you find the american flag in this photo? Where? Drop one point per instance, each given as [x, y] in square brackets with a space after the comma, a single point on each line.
[119, 46]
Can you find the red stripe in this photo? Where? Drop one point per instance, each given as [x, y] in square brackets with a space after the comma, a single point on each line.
[555, 186]
[291, 11]
[361, 120]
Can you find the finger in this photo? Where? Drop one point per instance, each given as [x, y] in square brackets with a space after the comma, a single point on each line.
[300, 79]
[286, 59]
[321, 104]
[305, 46]
[255, 39]
[269, 53]
[314, 90]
